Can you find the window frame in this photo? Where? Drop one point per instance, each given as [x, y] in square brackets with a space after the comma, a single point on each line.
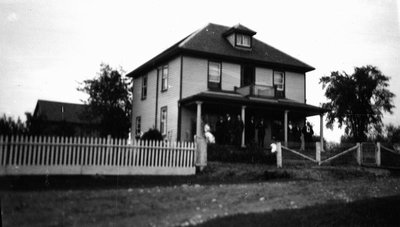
[144, 87]
[164, 78]
[283, 80]
[241, 44]
[163, 122]
[212, 84]
[138, 125]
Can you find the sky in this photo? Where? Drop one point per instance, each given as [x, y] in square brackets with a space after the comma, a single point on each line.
[47, 48]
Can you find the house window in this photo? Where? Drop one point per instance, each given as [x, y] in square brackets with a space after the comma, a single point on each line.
[163, 121]
[164, 78]
[243, 40]
[138, 129]
[144, 87]
[214, 75]
[247, 75]
[279, 81]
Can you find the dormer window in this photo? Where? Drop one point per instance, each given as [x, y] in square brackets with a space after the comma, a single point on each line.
[243, 40]
[240, 37]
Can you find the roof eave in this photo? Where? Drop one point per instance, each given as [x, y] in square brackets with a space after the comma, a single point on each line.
[159, 59]
[195, 53]
[162, 57]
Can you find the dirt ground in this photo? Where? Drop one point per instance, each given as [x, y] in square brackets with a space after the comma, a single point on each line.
[223, 190]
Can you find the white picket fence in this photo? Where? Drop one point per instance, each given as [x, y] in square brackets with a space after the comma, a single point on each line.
[38, 155]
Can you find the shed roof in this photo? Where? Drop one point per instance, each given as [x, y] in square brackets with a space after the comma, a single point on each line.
[60, 111]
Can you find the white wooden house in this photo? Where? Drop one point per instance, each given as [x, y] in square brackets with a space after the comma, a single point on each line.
[218, 70]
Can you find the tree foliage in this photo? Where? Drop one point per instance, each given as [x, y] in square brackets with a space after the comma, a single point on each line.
[109, 101]
[357, 101]
[388, 134]
[9, 126]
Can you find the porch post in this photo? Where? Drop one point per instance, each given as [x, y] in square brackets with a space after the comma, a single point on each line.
[244, 125]
[321, 130]
[198, 120]
[286, 127]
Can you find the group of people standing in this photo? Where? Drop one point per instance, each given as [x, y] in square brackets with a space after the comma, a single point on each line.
[304, 135]
[229, 131]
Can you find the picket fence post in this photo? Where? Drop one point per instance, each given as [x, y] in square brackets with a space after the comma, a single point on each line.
[201, 153]
[278, 155]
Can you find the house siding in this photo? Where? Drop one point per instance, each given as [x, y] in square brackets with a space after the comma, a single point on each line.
[144, 108]
[264, 76]
[231, 39]
[230, 76]
[194, 76]
[170, 97]
[295, 86]
[188, 124]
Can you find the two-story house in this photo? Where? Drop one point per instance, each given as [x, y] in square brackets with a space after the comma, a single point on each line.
[216, 71]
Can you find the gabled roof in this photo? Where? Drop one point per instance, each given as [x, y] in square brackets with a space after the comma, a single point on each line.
[61, 111]
[210, 42]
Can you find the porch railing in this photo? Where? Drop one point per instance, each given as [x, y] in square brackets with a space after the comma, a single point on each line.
[258, 91]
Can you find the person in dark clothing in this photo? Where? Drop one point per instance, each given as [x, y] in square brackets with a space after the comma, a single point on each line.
[308, 132]
[237, 130]
[220, 131]
[229, 135]
[250, 130]
[296, 134]
[261, 133]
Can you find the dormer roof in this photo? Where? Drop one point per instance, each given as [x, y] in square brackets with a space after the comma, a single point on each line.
[239, 29]
[211, 42]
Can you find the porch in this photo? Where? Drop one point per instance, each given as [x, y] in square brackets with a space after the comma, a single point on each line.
[262, 119]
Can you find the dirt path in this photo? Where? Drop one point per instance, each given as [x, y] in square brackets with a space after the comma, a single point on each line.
[182, 204]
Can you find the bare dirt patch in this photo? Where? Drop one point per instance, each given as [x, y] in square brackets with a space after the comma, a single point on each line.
[222, 190]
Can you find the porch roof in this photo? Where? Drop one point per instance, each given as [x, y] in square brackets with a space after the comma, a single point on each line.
[233, 99]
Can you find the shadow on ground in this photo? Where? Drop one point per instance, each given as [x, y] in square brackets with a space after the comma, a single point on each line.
[61, 182]
[370, 212]
[215, 174]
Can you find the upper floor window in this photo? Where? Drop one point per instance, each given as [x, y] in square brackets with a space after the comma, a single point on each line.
[243, 40]
[164, 78]
[144, 87]
[279, 81]
[214, 75]
[163, 120]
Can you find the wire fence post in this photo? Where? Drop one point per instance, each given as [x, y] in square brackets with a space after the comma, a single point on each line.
[318, 152]
[278, 155]
[378, 154]
[359, 155]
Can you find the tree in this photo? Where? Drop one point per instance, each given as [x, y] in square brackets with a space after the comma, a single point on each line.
[109, 101]
[357, 100]
[8, 126]
[389, 134]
